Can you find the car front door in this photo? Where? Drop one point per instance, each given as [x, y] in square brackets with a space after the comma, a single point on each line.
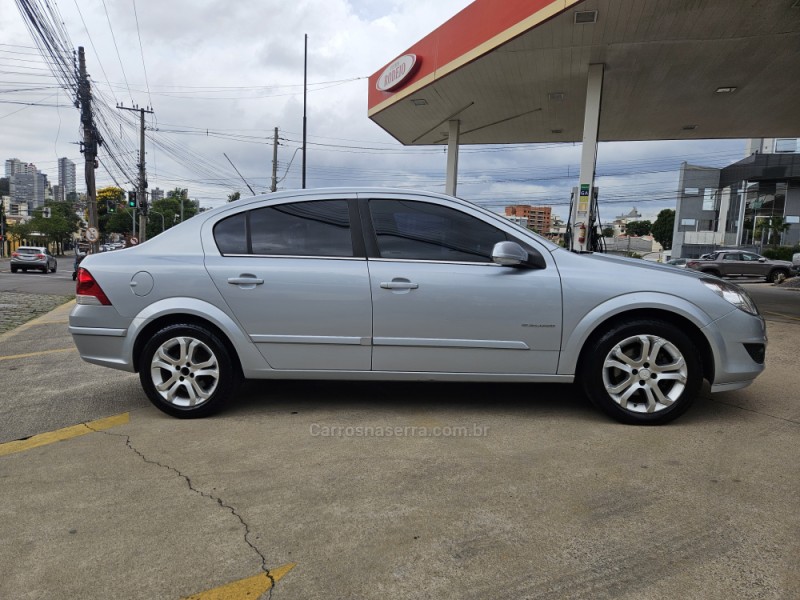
[296, 283]
[752, 264]
[441, 305]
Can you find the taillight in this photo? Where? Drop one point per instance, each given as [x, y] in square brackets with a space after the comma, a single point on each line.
[40, 256]
[15, 254]
[88, 291]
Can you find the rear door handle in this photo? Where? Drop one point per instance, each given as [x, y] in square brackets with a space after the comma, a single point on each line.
[245, 279]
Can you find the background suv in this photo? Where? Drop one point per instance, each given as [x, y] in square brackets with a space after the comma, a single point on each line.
[33, 257]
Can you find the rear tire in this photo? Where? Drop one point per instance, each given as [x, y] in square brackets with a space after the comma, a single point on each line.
[646, 372]
[187, 372]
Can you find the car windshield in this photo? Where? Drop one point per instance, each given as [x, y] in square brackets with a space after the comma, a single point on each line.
[28, 250]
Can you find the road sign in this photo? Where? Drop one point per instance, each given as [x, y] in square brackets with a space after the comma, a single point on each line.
[133, 241]
[92, 234]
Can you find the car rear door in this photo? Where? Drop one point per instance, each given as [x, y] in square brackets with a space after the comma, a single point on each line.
[296, 279]
[731, 263]
[441, 305]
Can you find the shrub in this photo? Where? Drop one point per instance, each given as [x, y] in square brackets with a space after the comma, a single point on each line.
[781, 253]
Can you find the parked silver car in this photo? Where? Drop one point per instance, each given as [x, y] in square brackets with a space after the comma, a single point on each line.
[398, 285]
[33, 257]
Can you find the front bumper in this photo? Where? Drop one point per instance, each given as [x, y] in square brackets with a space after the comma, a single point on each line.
[735, 366]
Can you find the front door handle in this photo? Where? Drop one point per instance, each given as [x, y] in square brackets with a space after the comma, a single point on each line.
[399, 285]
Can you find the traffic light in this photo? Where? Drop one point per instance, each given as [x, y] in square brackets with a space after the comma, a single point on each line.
[132, 199]
[111, 206]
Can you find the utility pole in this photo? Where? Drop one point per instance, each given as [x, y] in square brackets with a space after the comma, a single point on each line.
[274, 187]
[305, 86]
[91, 139]
[141, 191]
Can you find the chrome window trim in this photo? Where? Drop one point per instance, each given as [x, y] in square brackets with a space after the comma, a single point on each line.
[321, 257]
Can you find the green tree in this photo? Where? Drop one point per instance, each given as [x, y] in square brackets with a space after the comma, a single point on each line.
[19, 232]
[608, 232]
[771, 228]
[56, 229]
[663, 228]
[120, 222]
[234, 196]
[110, 196]
[170, 208]
[638, 228]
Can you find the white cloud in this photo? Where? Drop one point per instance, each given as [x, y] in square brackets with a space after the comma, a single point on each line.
[236, 69]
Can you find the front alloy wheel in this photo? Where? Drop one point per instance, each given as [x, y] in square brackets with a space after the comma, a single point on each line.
[645, 372]
[186, 371]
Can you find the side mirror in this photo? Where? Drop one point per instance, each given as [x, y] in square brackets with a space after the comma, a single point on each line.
[762, 259]
[511, 254]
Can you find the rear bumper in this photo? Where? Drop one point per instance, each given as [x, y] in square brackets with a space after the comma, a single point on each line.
[107, 344]
[29, 264]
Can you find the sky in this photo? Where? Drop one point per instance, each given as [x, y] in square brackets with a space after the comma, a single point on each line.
[220, 76]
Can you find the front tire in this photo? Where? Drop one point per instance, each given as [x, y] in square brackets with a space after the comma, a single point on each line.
[647, 372]
[777, 276]
[187, 372]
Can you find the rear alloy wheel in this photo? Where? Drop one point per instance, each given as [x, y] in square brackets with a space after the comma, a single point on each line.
[186, 371]
[646, 372]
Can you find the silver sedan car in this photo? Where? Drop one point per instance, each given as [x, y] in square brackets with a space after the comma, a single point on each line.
[397, 285]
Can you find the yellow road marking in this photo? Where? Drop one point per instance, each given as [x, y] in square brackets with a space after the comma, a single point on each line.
[767, 312]
[251, 587]
[39, 353]
[51, 437]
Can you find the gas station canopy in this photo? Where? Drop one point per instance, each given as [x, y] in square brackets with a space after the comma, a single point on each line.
[515, 71]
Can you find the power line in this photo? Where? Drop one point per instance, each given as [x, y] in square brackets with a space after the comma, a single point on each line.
[141, 50]
[114, 39]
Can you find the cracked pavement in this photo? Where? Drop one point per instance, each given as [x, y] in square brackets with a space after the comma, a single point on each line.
[551, 500]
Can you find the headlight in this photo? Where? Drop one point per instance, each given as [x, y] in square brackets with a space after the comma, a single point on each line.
[733, 294]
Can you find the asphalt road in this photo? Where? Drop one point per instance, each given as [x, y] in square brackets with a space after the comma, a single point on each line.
[544, 498]
[35, 282]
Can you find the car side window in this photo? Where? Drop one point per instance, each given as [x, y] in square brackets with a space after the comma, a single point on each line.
[750, 257]
[407, 229]
[731, 256]
[231, 234]
[315, 228]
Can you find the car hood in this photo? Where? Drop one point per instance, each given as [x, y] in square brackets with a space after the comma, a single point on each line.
[638, 263]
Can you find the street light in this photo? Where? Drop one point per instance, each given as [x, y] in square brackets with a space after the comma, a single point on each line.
[155, 212]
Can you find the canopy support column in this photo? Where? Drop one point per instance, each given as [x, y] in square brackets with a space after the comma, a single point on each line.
[582, 214]
[452, 158]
